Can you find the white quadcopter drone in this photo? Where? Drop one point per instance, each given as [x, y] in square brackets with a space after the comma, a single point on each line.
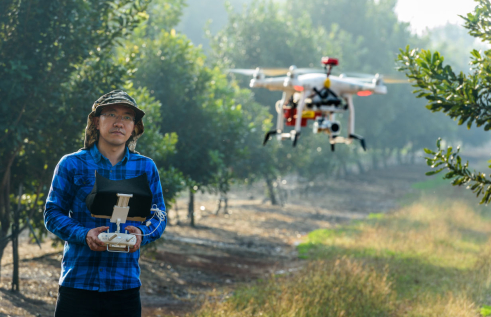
[317, 96]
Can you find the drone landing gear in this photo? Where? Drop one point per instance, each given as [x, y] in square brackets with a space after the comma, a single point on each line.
[361, 139]
[283, 136]
[295, 138]
[269, 134]
[337, 139]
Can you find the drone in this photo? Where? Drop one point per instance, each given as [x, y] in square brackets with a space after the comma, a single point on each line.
[315, 94]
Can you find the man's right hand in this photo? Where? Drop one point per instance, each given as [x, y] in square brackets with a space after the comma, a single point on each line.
[93, 241]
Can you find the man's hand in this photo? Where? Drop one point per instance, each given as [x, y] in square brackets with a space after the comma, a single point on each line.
[135, 230]
[93, 241]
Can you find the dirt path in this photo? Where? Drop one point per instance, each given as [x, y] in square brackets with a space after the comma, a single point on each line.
[224, 251]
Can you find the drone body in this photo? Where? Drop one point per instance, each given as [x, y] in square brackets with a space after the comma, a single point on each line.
[316, 96]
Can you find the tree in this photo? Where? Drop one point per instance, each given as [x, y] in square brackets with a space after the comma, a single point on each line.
[462, 97]
[197, 103]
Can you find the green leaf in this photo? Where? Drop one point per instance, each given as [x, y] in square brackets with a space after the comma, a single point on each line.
[433, 172]
[485, 311]
[428, 151]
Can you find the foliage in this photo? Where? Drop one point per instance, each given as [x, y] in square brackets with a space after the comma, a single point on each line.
[41, 47]
[373, 23]
[164, 15]
[462, 97]
[206, 14]
[460, 173]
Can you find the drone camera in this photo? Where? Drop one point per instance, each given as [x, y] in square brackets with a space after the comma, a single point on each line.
[335, 128]
[324, 125]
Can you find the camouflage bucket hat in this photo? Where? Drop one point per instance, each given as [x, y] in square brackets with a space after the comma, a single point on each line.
[115, 97]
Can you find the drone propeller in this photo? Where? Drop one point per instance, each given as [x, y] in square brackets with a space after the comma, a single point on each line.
[358, 75]
[370, 78]
[298, 71]
[310, 70]
[275, 71]
[391, 80]
[247, 72]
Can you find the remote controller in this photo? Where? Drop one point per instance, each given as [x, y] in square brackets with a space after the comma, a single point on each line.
[114, 239]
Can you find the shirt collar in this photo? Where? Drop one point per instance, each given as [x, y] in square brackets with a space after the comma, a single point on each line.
[94, 151]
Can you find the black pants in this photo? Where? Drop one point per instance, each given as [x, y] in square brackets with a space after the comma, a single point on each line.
[73, 302]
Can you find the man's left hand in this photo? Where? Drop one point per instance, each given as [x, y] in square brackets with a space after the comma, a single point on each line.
[138, 232]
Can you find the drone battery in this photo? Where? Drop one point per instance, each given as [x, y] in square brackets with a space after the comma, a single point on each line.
[103, 197]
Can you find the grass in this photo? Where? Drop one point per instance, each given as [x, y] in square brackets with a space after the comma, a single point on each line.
[430, 258]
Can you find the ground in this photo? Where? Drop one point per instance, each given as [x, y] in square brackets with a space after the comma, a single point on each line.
[223, 251]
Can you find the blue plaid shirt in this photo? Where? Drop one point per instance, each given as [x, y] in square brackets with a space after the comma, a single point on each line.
[67, 216]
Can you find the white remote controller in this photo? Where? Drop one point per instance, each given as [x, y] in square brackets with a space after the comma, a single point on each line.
[114, 239]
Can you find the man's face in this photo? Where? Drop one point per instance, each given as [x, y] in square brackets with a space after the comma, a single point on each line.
[115, 124]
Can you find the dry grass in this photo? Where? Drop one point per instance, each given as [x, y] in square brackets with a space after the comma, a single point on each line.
[430, 258]
[323, 288]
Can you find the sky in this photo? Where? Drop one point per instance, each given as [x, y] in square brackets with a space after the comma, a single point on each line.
[424, 14]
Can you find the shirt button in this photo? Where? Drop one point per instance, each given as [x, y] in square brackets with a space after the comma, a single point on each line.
[100, 270]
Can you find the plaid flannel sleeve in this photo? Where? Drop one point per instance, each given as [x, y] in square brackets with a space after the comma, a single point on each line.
[154, 231]
[58, 205]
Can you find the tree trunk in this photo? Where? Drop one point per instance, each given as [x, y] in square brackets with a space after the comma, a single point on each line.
[399, 156]
[4, 210]
[178, 221]
[374, 161]
[361, 168]
[226, 204]
[219, 205]
[15, 245]
[269, 184]
[191, 206]
[2, 248]
[345, 168]
[5, 201]
[386, 157]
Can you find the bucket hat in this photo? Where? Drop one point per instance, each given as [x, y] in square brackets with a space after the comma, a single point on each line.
[115, 97]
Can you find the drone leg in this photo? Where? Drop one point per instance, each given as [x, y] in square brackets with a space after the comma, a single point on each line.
[351, 122]
[295, 138]
[361, 139]
[298, 120]
[266, 137]
[333, 143]
[351, 119]
[279, 112]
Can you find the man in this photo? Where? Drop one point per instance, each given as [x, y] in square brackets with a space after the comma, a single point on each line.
[95, 282]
